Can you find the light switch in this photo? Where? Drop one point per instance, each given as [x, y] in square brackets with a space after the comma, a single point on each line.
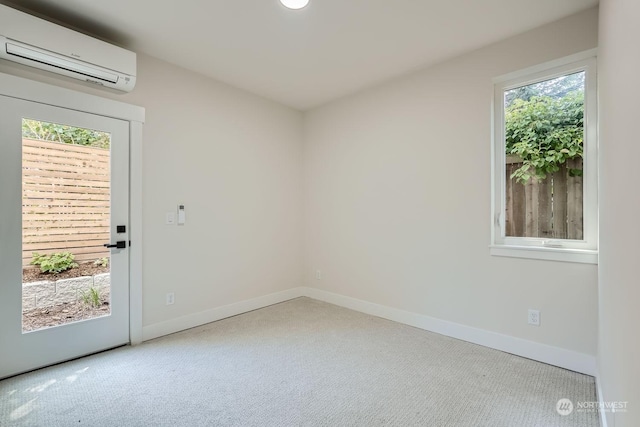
[170, 218]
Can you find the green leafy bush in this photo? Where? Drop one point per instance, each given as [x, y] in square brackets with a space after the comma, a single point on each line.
[54, 263]
[545, 132]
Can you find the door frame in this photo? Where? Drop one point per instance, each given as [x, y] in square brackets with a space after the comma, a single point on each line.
[29, 90]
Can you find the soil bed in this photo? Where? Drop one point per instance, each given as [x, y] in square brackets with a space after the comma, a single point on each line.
[43, 317]
[59, 314]
[33, 274]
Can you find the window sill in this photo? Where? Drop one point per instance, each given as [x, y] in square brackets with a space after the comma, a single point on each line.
[548, 254]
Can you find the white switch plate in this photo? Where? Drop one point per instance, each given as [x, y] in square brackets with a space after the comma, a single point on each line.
[170, 298]
[170, 218]
[318, 275]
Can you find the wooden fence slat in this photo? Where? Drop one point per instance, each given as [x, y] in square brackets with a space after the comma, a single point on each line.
[52, 203]
[91, 213]
[70, 230]
[34, 155]
[516, 200]
[63, 147]
[531, 210]
[45, 164]
[45, 185]
[62, 196]
[76, 251]
[560, 204]
[64, 246]
[42, 220]
[57, 223]
[54, 182]
[42, 166]
[82, 243]
[64, 210]
[32, 199]
[545, 207]
[574, 202]
[508, 213]
[90, 256]
[50, 227]
[65, 157]
[87, 177]
[66, 237]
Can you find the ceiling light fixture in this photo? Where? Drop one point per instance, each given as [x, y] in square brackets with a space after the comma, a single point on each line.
[294, 4]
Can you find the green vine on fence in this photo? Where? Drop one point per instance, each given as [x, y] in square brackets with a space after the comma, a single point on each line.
[545, 132]
[34, 129]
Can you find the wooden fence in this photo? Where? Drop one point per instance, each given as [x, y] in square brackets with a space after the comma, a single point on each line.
[65, 200]
[549, 208]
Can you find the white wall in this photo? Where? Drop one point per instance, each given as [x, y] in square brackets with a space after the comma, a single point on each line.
[234, 160]
[618, 346]
[397, 199]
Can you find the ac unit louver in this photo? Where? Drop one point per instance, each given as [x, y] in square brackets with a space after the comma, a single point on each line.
[35, 42]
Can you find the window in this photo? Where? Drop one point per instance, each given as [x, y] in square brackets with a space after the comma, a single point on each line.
[545, 162]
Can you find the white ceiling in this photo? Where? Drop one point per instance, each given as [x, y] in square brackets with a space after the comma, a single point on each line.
[307, 57]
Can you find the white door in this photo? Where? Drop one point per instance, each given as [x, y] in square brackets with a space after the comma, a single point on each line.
[64, 194]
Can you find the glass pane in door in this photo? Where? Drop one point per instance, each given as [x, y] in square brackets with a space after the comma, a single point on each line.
[65, 224]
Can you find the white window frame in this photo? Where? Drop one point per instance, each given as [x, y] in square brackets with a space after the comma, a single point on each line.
[586, 250]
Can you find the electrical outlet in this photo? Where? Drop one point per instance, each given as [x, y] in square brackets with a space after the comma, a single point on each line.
[318, 275]
[170, 298]
[534, 317]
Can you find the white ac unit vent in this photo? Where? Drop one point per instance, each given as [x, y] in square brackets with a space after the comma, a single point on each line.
[37, 43]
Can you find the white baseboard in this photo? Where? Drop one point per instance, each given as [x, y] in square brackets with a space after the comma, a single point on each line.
[556, 356]
[196, 319]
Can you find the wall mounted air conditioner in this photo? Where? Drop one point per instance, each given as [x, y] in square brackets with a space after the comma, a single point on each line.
[41, 44]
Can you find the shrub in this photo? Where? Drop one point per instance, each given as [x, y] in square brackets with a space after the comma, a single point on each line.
[545, 132]
[54, 263]
[102, 262]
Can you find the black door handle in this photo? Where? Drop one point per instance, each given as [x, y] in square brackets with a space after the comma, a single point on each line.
[121, 244]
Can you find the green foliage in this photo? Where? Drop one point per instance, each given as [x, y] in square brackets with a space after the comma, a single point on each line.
[91, 297]
[544, 132]
[555, 88]
[34, 129]
[54, 263]
[102, 262]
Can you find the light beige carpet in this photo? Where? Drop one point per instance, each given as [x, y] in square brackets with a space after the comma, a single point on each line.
[299, 363]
